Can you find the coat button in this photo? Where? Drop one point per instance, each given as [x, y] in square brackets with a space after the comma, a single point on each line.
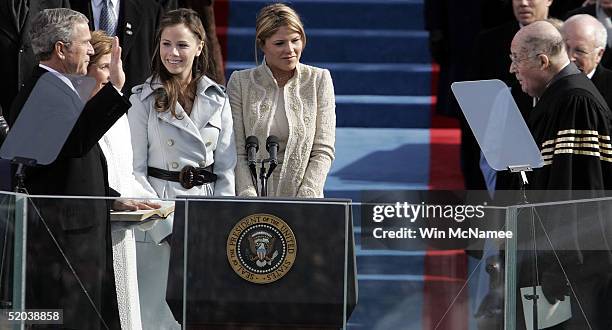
[203, 163]
[208, 144]
[21, 50]
[174, 165]
[170, 142]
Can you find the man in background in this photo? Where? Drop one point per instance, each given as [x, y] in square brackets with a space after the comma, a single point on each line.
[602, 10]
[135, 22]
[585, 40]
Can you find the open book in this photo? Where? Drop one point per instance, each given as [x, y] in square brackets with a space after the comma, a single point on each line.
[140, 215]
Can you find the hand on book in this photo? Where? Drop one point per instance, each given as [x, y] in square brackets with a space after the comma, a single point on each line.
[146, 210]
[134, 205]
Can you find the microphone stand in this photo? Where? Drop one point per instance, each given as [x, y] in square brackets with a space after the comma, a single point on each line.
[6, 266]
[253, 170]
[264, 179]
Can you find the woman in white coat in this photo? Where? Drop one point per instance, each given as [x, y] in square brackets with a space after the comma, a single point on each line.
[180, 119]
[181, 128]
[287, 99]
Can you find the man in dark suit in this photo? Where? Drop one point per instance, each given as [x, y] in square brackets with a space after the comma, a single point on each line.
[135, 22]
[585, 40]
[4, 165]
[492, 62]
[602, 10]
[16, 56]
[60, 40]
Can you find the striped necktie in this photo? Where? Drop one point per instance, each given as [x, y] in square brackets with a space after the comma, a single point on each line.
[108, 22]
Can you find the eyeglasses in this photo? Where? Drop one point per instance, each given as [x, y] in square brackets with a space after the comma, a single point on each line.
[516, 61]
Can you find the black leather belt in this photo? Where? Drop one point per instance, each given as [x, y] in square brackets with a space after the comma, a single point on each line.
[188, 177]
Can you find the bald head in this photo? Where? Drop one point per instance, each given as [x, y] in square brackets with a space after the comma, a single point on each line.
[541, 37]
[538, 55]
[585, 40]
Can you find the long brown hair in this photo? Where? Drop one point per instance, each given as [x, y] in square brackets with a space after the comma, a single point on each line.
[167, 96]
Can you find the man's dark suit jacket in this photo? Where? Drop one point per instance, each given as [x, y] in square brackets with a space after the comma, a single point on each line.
[138, 23]
[491, 53]
[16, 56]
[602, 79]
[80, 226]
[606, 60]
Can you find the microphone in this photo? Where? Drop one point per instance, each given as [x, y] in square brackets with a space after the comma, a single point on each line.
[252, 146]
[272, 148]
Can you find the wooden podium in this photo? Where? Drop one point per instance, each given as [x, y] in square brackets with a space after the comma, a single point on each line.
[262, 263]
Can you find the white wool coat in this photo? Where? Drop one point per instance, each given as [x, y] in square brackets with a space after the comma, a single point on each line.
[163, 141]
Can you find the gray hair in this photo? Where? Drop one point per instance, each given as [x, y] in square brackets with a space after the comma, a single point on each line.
[51, 26]
[591, 25]
[601, 35]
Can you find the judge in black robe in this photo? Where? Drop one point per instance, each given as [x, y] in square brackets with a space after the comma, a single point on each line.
[571, 126]
[571, 109]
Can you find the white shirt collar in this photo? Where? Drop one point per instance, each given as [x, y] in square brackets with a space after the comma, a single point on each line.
[590, 74]
[60, 76]
[98, 3]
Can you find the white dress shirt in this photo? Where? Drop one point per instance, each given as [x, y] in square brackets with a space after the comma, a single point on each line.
[60, 76]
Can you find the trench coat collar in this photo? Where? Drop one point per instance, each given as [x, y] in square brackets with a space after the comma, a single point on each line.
[204, 84]
[207, 105]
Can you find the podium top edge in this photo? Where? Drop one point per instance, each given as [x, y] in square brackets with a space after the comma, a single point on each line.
[268, 199]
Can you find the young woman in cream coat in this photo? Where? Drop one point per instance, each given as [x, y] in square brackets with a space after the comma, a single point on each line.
[179, 118]
[290, 100]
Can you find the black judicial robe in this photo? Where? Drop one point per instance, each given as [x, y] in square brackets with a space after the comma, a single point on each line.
[570, 111]
[81, 227]
[571, 126]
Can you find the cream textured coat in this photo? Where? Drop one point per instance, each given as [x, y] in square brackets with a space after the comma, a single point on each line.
[310, 108]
